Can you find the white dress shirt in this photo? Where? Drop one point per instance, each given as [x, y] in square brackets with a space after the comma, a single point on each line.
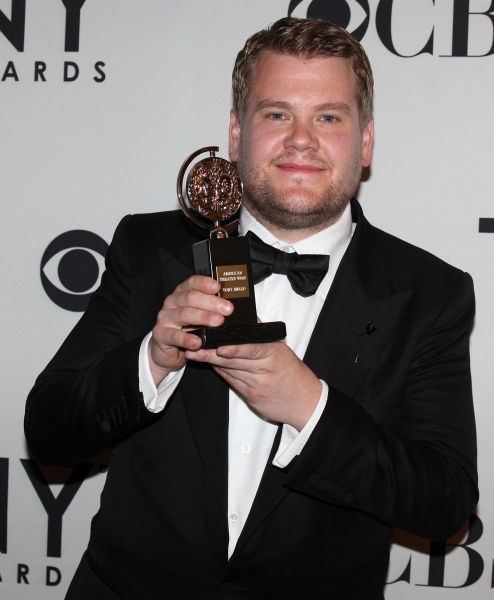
[250, 436]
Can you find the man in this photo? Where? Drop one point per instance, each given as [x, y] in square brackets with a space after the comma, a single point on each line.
[246, 471]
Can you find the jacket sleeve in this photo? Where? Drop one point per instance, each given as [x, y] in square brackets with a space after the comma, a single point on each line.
[87, 398]
[421, 474]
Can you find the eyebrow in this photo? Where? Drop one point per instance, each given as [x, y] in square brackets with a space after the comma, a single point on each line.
[341, 106]
[329, 106]
[272, 104]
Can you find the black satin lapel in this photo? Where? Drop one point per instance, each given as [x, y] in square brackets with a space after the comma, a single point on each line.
[341, 350]
[269, 494]
[206, 404]
[173, 272]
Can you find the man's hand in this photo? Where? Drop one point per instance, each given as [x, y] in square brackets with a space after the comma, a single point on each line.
[270, 377]
[193, 304]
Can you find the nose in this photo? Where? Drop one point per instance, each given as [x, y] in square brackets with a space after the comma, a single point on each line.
[301, 136]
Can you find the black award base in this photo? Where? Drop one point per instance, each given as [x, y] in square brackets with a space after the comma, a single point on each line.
[228, 261]
[231, 335]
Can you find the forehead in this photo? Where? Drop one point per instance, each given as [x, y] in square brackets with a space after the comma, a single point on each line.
[325, 78]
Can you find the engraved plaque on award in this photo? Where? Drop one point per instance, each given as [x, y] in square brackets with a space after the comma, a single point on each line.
[214, 191]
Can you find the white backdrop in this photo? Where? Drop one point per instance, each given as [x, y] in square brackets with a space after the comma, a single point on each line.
[80, 154]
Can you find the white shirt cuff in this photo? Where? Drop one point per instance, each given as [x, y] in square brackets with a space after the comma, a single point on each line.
[155, 398]
[292, 442]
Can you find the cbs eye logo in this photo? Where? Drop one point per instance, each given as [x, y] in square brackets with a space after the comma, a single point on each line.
[352, 15]
[71, 268]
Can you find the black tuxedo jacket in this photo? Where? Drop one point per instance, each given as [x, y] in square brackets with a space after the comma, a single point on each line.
[394, 446]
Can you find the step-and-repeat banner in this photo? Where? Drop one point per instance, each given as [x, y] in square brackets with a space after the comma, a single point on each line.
[100, 104]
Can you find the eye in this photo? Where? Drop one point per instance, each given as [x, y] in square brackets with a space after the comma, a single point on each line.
[329, 119]
[352, 15]
[71, 268]
[276, 116]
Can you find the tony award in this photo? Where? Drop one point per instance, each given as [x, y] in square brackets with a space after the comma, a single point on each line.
[214, 191]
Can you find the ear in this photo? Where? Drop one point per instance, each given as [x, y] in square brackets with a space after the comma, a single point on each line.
[234, 135]
[367, 143]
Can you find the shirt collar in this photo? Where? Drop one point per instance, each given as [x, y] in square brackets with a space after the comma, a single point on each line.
[327, 241]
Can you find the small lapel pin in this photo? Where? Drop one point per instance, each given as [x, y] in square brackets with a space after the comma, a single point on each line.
[370, 327]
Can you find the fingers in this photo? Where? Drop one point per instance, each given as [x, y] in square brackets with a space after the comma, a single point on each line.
[170, 337]
[195, 304]
[207, 285]
[245, 357]
[246, 351]
[188, 317]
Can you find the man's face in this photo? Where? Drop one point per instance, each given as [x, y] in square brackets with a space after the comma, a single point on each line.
[300, 148]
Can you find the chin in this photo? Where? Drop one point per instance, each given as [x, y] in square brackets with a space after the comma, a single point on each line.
[300, 201]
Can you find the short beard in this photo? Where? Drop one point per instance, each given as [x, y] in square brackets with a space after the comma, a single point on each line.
[275, 211]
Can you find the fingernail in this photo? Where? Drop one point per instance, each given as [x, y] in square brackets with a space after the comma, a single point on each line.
[227, 308]
[216, 318]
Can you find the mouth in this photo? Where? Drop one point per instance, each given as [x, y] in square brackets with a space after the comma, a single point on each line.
[291, 167]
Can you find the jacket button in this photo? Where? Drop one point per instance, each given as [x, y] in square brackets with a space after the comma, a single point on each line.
[314, 479]
[339, 493]
[227, 589]
[332, 487]
[349, 498]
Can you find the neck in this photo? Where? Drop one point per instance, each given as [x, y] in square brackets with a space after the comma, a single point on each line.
[287, 235]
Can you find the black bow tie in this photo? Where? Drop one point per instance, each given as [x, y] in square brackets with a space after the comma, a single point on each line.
[304, 271]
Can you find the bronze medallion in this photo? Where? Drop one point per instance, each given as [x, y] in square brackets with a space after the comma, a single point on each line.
[214, 189]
